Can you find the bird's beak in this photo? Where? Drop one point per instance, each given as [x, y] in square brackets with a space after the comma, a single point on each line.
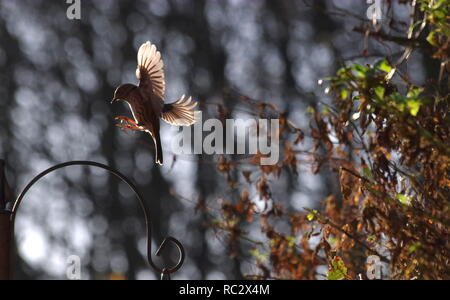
[114, 100]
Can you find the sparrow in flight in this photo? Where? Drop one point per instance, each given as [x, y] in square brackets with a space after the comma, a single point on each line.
[146, 100]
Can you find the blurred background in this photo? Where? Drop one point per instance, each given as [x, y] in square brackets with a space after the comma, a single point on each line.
[57, 77]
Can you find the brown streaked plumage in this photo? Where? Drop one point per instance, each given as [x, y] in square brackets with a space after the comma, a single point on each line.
[146, 100]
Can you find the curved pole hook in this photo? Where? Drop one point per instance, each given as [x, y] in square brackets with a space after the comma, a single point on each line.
[165, 272]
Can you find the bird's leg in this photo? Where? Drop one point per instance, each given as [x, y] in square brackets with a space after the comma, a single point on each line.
[127, 123]
[126, 120]
[128, 127]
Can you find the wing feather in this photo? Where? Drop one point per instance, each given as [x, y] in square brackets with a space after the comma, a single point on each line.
[180, 113]
[150, 71]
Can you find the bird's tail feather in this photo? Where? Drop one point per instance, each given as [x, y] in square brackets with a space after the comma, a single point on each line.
[158, 148]
[180, 113]
[159, 153]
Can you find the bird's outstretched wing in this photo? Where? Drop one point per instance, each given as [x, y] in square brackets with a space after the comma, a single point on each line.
[151, 82]
[180, 113]
[150, 71]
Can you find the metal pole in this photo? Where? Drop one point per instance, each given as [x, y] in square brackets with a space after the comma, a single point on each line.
[5, 226]
[5, 245]
[8, 210]
[165, 272]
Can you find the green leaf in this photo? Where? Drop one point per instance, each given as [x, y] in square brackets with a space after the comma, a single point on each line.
[368, 173]
[291, 241]
[432, 39]
[325, 110]
[344, 94]
[439, 14]
[312, 215]
[360, 70]
[371, 238]
[338, 270]
[414, 92]
[258, 255]
[384, 66]
[414, 106]
[414, 247]
[310, 110]
[379, 92]
[332, 240]
[403, 199]
[439, 4]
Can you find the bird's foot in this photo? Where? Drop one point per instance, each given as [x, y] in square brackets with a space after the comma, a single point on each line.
[123, 119]
[128, 127]
[127, 123]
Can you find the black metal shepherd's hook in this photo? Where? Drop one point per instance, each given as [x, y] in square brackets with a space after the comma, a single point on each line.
[165, 272]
